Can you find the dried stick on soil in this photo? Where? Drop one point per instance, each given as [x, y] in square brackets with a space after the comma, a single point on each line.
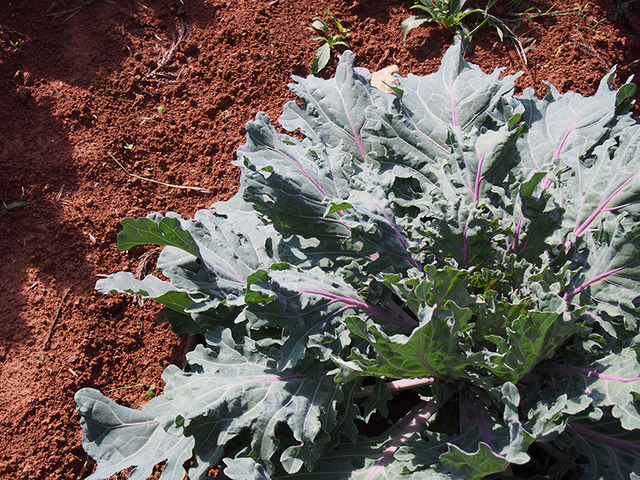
[55, 320]
[184, 31]
[170, 185]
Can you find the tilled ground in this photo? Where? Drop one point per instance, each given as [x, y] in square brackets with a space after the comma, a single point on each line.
[93, 93]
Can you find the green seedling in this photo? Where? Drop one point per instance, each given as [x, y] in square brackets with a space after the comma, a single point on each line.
[446, 13]
[151, 390]
[40, 359]
[128, 146]
[452, 14]
[161, 109]
[6, 207]
[329, 40]
[15, 45]
[595, 24]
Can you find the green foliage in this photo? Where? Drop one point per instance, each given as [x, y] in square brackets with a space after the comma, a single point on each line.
[447, 13]
[150, 390]
[478, 248]
[15, 45]
[452, 14]
[330, 41]
[6, 207]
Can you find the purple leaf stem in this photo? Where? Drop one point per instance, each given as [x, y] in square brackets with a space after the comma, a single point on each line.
[557, 151]
[301, 168]
[136, 424]
[464, 243]
[609, 441]
[362, 305]
[396, 310]
[396, 233]
[579, 231]
[516, 235]
[479, 177]
[304, 173]
[407, 427]
[484, 430]
[588, 372]
[388, 252]
[229, 271]
[582, 287]
[356, 137]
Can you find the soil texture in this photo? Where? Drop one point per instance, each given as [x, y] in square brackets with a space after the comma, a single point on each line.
[102, 99]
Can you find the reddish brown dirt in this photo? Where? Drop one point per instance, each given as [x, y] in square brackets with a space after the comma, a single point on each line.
[77, 95]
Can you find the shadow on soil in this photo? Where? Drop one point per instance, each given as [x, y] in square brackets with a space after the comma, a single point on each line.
[47, 54]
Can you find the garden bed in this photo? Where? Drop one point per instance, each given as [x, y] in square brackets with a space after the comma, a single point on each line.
[98, 95]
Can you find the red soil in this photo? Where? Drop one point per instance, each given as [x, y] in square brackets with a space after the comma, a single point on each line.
[165, 91]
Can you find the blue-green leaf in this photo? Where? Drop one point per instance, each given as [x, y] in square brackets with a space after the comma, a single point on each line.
[119, 438]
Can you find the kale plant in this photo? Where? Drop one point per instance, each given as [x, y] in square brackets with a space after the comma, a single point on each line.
[472, 253]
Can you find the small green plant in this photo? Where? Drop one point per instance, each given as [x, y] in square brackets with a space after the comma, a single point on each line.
[451, 13]
[128, 146]
[40, 359]
[161, 109]
[447, 13]
[150, 389]
[6, 207]
[15, 45]
[329, 40]
[15, 42]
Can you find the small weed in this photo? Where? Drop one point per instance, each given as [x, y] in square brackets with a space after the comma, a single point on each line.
[446, 13]
[40, 359]
[161, 109]
[10, 206]
[128, 146]
[15, 45]
[451, 14]
[151, 390]
[329, 40]
[596, 24]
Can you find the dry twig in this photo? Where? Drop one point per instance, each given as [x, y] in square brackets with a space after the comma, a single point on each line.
[55, 320]
[183, 33]
[170, 185]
